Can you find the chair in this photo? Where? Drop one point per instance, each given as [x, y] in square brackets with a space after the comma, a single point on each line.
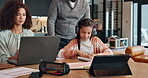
[145, 36]
[137, 53]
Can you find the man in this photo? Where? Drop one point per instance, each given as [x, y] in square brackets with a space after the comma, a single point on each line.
[63, 16]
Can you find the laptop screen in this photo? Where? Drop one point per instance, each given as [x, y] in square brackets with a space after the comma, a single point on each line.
[35, 49]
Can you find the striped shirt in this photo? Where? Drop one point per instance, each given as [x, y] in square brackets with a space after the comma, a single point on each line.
[69, 51]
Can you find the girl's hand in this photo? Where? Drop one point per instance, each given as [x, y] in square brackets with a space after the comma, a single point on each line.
[81, 54]
[91, 56]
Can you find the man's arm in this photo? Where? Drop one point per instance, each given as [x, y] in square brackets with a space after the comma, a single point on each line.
[52, 16]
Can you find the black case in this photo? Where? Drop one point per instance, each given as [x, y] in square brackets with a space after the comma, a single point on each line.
[65, 69]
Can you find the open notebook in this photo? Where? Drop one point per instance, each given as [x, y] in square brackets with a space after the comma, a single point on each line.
[85, 64]
[80, 65]
[84, 59]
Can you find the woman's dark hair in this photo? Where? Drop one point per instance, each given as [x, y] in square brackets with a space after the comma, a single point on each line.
[85, 22]
[8, 14]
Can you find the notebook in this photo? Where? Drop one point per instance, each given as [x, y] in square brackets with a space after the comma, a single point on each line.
[110, 65]
[35, 49]
[79, 65]
[84, 59]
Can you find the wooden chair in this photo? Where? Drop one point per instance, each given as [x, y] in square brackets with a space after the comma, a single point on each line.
[137, 53]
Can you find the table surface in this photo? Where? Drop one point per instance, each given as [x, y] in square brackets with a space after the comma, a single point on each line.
[139, 70]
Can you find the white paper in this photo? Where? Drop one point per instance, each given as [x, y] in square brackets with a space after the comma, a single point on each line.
[15, 72]
[84, 59]
[59, 58]
[5, 76]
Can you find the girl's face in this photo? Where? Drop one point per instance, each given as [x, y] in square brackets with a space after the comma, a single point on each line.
[20, 17]
[85, 33]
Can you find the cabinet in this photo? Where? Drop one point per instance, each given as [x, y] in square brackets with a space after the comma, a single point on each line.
[2, 2]
[109, 14]
[38, 7]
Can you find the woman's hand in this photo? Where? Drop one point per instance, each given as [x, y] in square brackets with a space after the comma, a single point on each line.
[15, 56]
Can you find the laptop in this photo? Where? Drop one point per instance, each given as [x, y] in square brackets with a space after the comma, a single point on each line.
[110, 65]
[35, 49]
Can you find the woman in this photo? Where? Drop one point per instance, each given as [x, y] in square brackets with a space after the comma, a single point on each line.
[15, 22]
[85, 45]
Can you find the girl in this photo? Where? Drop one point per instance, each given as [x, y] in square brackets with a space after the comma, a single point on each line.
[85, 45]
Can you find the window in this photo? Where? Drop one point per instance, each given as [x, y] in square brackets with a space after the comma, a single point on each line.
[144, 25]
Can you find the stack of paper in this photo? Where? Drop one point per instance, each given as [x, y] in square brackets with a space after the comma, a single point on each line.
[84, 59]
[80, 65]
[15, 72]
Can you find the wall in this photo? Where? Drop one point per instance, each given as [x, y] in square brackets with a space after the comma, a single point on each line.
[127, 17]
[38, 7]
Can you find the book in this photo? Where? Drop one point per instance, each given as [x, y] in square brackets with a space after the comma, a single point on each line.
[80, 65]
[84, 59]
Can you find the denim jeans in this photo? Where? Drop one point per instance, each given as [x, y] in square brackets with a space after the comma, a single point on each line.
[63, 43]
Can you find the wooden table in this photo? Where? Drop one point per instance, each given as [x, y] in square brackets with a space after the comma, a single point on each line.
[139, 70]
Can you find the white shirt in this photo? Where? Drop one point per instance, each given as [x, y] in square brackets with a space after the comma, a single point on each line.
[72, 4]
[10, 42]
[86, 46]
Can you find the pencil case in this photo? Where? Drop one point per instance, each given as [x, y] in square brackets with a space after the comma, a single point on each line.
[53, 68]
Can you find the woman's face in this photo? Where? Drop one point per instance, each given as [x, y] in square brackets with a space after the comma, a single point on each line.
[20, 17]
[85, 33]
